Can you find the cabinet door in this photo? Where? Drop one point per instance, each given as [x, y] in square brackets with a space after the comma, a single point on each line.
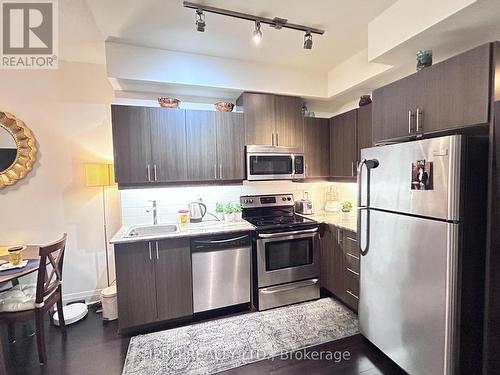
[135, 283]
[317, 147]
[202, 146]
[131, 143]
[168, 144]
[332, 262]
[289, 122]
[343, 145]
[230, 145]
[391, 106]
[327, 244]
[174, 291]
[364, 130]
[260, 118]
[455, 93]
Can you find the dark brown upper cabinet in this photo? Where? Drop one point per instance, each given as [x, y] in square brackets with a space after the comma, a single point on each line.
[201, 132]
[158, 145]
[168, 145]
[289, 122]
[344, 151]
[452, 94]
[140, 136]
[364, 129]
[230, 145]
[273, 120]
[216, 144]
[317, 147]
[132, 144]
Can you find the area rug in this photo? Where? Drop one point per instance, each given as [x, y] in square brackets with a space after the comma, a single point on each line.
[214, 346]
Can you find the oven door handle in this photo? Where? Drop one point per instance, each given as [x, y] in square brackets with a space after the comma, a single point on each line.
[279, 288]
[283, 234]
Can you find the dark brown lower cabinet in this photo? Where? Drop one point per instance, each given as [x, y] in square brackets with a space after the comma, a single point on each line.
[153, 281]
[340, 268]
[174, 289]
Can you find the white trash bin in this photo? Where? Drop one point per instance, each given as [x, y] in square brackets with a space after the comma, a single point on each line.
[109, 303]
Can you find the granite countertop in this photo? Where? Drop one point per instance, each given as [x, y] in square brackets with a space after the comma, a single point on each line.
[185, 230]
[334, 219]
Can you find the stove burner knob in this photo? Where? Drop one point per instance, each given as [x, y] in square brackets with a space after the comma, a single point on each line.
[289, 199]
[283, 198]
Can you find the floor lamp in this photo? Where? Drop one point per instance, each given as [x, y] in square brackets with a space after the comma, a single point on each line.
[101, 175]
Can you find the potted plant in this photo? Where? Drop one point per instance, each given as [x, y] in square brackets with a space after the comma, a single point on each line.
[228, 213]
[237, 211]
[346, 210]
[219, 211]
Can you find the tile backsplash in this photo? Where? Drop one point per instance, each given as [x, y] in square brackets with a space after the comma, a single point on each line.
[170, 200]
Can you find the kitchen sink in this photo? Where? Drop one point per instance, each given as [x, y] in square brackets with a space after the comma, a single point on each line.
[152, 230]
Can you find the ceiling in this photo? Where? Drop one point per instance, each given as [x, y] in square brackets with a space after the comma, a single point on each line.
[166, 24]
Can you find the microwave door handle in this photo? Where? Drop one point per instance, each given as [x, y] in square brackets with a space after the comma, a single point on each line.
[293, 165]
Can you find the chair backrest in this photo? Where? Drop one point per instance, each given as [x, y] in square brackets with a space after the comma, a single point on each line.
[51, 259]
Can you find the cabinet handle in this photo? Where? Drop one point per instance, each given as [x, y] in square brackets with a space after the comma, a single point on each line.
[148, 173]
[419, 114]
[352, 271]
[150, 256]
[154, 172]
[157, 253]
[352, 294]
[410, 117]
[338, 236]
[307, 170]
[220, 171]
[215, 171]
[277, 140]
[272, 139]
[353, 167]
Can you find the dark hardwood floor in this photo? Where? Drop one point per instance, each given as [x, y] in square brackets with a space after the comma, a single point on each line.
[93, 347]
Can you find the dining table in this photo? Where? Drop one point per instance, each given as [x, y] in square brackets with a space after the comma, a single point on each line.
[30, 253]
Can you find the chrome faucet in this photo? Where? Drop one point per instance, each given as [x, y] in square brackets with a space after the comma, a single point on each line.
[154, 210]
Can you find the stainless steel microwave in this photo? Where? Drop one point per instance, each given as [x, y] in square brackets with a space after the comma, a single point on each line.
[274, 163]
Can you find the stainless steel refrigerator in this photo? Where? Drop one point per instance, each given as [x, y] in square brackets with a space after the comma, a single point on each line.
[421, 228]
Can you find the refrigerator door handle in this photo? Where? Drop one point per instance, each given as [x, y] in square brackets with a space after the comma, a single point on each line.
[370, 164]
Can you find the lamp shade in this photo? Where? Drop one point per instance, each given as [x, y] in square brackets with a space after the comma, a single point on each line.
[99, 175]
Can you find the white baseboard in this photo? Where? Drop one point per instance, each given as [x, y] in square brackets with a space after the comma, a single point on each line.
[90, 296]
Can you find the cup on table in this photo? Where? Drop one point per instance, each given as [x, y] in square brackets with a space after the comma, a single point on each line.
[16, 255]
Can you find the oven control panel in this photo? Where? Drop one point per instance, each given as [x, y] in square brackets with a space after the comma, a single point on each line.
[275, 200]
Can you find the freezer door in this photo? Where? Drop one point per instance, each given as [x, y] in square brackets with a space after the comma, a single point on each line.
[419, 177]
[408, 291]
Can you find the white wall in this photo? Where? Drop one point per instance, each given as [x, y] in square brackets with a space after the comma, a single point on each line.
[170, 200]
[69, 114]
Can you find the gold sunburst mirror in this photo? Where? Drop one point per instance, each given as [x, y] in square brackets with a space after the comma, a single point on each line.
[17, 149]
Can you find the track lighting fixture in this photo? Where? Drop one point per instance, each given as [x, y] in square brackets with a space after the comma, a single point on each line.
[308, 40]
[257, 34]
[276, 22]
[200, 21]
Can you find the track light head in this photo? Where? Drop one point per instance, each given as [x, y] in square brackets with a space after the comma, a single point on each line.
[308, 40]
[257, 34]
[200, 21]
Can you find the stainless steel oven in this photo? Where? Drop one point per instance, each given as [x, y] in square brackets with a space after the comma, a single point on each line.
[287, 267]
[274, 163]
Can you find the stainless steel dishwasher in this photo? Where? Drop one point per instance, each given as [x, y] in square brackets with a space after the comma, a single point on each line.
[221, 271]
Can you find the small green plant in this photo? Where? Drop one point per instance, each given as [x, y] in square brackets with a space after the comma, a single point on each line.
[228, 208]
[346, 206]
[236, 208]
[219, 208]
